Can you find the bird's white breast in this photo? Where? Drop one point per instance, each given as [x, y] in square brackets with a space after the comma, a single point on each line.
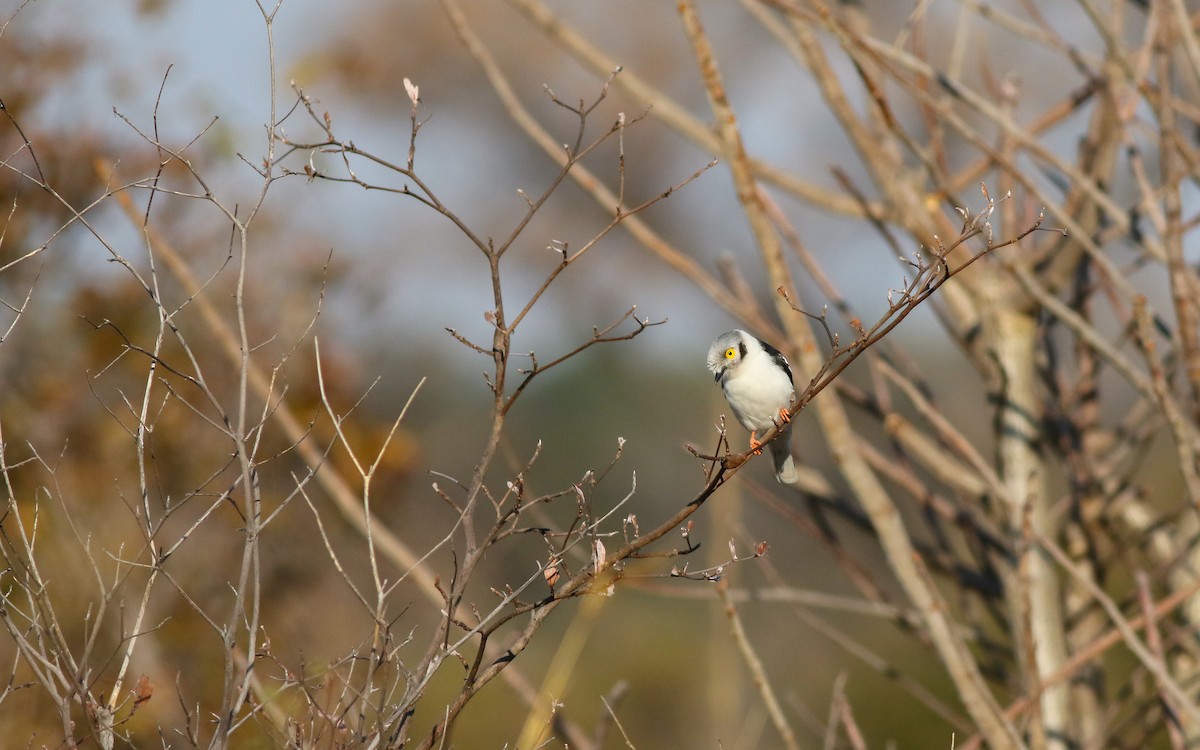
[756, 394]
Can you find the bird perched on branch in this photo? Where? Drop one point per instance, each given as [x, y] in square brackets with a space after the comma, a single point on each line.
[757, 382]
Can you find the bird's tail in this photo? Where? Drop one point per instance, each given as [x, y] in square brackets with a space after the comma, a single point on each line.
[785, 465]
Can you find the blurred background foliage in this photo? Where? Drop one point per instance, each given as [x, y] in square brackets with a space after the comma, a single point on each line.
[390, 275]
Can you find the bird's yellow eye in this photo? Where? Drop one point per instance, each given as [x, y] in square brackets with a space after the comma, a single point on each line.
[730, 353]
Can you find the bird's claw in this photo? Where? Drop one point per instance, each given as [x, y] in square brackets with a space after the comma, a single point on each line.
[783, 414]
[755, 444]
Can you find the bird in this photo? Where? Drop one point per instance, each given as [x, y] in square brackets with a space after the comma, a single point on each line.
[757, 382]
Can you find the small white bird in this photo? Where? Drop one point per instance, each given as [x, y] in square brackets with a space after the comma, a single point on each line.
[757, 382]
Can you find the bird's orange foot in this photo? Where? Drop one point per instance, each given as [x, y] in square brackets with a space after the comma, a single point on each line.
[755, 444]
[783, 414]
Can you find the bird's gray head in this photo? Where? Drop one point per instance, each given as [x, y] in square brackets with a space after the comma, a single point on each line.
[727, 352]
